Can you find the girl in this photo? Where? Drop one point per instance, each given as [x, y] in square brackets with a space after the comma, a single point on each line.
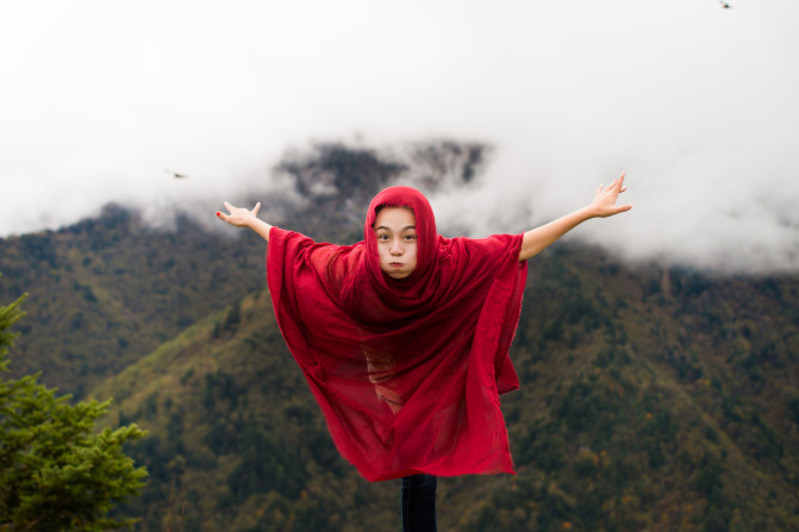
[403, 337]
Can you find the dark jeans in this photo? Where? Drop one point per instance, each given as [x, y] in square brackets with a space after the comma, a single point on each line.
[419, 503]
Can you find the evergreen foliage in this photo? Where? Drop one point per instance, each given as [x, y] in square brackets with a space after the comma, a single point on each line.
[56, 472]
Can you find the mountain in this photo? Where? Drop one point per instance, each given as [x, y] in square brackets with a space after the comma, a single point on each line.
[652, 398]
[107, 290]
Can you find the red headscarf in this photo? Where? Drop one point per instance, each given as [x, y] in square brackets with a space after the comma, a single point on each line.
[407, 372]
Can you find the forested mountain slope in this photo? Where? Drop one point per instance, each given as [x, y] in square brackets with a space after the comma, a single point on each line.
[641, 408]
[651, 399]
[107, 290]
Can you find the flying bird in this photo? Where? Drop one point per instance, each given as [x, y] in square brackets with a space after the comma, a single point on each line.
[176, 175]
[724, 4]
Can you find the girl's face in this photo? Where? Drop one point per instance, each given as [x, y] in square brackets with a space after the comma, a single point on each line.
[395, 229]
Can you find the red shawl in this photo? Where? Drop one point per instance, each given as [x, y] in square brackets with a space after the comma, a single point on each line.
[407, 372]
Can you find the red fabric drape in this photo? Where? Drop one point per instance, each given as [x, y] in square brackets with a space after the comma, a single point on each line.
[407, 372]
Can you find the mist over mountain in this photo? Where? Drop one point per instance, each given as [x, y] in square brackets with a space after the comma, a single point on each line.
[697, 103]
[658, 351]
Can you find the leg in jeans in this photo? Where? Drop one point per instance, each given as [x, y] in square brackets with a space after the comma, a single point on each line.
[419, 503]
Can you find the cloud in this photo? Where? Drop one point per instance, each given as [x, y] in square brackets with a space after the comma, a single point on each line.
[695, 102]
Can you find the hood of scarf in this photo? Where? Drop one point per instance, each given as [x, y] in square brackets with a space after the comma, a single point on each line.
[371, 297]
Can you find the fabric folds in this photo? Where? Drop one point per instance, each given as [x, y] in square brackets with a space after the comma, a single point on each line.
[407, 372]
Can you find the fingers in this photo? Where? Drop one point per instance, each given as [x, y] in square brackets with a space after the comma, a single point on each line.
[615, 185]
[618, 184]
[237, 215]
[225, 216]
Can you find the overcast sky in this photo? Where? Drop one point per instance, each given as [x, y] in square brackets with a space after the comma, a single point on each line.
[697, 103]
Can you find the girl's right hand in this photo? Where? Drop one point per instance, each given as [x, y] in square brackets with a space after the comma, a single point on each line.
[239, 216]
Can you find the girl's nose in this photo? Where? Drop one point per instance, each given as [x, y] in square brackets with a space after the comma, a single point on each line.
[396, 249]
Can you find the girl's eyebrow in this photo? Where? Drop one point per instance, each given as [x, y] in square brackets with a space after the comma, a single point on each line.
[389, 229]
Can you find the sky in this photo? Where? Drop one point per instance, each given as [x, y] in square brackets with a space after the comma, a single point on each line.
[695, 102]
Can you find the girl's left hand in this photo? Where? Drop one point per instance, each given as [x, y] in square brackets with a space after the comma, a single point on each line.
[604, 203]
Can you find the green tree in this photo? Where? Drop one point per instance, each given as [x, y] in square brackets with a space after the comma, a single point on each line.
[56, 471]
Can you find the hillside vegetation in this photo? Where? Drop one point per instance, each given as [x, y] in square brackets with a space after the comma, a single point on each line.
[108, 290]
[651, 399]
[635, 413]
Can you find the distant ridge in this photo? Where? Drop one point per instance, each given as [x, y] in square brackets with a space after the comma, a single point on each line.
[651, 399]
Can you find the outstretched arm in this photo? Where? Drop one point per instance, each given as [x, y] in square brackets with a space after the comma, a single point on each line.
[242, 217]
[604, 204]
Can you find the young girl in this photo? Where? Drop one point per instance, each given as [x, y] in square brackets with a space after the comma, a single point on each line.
[403, 337]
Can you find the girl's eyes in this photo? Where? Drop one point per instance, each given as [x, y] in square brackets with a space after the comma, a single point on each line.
[385, 237]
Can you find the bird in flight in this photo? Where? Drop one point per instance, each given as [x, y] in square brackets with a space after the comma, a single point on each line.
[176, 175]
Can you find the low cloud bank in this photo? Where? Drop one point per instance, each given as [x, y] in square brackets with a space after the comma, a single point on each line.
[102, 103]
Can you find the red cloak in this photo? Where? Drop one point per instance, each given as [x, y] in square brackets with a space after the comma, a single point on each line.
[407, 372]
